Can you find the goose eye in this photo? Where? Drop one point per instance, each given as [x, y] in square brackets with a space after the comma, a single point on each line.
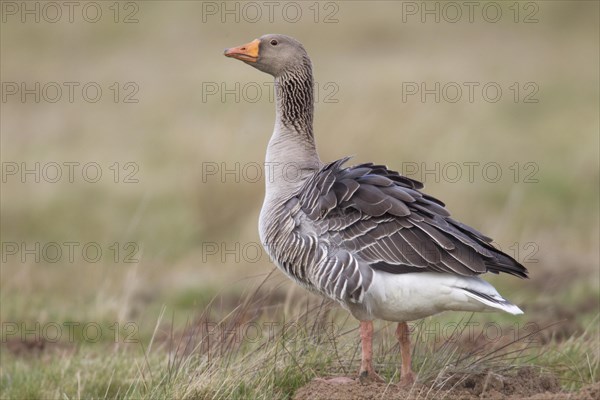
[274, 42]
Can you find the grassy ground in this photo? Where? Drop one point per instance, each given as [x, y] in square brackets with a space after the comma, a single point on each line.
[183, 306]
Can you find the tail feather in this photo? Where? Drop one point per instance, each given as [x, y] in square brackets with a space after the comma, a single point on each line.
[493, 301]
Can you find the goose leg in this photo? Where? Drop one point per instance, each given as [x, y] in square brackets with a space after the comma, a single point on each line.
[407, 376]
[367, 373]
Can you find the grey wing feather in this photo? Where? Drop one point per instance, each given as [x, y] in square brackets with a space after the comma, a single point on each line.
[379, 218]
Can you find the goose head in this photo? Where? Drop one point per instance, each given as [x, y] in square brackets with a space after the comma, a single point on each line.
[273, 53]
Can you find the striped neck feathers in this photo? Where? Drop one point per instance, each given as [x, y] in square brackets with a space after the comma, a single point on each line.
[295, 102]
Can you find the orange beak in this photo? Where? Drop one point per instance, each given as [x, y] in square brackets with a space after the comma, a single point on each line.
[247, 52]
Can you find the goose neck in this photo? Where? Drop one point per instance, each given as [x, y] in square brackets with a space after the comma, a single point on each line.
[294, 101]
[292, 146]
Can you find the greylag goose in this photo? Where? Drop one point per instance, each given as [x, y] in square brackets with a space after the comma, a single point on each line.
[363, 236]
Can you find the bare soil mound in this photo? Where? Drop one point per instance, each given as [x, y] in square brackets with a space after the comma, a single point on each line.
[526, 383]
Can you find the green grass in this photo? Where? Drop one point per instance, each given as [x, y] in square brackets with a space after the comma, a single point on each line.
[254, 351]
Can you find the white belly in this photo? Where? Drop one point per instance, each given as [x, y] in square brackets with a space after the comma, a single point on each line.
[407, 297]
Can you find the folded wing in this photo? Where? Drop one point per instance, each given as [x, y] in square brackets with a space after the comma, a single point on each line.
[382, 219]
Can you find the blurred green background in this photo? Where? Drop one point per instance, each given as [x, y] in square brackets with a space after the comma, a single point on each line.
[365, 55]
